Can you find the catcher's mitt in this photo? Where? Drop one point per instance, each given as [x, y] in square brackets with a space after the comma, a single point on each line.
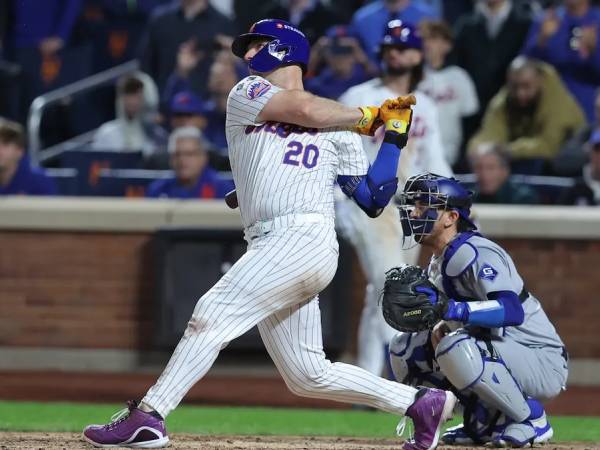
[410, 301]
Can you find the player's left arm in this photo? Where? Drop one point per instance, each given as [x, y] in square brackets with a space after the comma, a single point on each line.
[501, 306]
[373, 191]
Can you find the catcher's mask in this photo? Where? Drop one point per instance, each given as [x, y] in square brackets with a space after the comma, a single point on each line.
[431, 193]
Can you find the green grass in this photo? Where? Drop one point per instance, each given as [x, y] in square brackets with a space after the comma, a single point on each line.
[27, 416]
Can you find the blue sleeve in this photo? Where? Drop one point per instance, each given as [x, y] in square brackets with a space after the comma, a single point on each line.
[46, 186]
[373, 191]
[154, 189]
[503, 309]
[70, 12]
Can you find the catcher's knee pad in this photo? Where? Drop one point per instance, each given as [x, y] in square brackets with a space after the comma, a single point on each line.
[411, 358]
[472, 365]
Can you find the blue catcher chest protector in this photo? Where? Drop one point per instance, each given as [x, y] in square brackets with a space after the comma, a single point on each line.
[285, 45]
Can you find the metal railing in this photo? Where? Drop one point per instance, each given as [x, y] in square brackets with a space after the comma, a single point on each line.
[40, 103]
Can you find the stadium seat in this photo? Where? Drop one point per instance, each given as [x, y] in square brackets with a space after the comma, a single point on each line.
[89, 163]
[127, 182]
[65, 179]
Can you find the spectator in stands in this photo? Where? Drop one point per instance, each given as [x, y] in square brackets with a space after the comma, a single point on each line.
[491, 164]
[572, 155]
[533, 115]
[17, 177]
[567, 38]
[45, 25]
[344, 64]
[587, 188]
[134, 129]
[189, 26]
[449, 86]
[188, 110]
[369, 22]
[486, 41]
[310, 16]
[222, 78]
[193, 177]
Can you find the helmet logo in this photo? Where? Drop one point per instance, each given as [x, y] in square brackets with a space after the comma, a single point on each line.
[276, 50]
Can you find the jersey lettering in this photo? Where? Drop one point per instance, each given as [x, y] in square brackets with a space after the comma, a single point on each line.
[282, 129]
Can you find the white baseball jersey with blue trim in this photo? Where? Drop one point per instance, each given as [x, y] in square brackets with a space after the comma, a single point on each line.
[282, 169]
[284, 177]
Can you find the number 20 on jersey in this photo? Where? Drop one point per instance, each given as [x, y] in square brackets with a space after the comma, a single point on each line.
[298, 154]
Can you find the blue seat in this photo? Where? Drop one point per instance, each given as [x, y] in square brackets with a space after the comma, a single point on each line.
[65, 179]
[127, 182]
[43, 74]
[89, 163]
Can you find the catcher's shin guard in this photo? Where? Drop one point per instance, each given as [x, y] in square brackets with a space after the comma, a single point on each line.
[471, 367]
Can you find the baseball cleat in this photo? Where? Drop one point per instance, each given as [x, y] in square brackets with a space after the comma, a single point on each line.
[432, 407]
[458, 435]
[130, 428]
[526, 433]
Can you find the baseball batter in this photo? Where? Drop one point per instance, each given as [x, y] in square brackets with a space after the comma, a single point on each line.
[378, 242]
[504, 356]
[285, 177]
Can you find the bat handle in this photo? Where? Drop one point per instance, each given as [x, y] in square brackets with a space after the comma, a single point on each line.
[231, 199]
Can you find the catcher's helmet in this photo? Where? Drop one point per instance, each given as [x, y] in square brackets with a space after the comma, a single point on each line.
[401, 34]
[433, 192]
[286, 45]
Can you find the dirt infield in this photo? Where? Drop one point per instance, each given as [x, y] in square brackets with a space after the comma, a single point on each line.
[72, 441]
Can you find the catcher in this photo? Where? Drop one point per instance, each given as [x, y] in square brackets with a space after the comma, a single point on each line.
[469, 324]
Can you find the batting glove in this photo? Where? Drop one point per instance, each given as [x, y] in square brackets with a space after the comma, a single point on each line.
[397, 115]
[369, 122]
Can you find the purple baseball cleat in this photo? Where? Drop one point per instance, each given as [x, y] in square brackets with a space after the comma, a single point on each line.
[131, 428]
[432, 407]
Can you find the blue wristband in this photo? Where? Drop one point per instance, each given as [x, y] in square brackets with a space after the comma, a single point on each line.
[457, 311]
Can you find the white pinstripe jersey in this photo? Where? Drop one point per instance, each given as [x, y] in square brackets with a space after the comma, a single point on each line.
[423, 152]
[279, 168]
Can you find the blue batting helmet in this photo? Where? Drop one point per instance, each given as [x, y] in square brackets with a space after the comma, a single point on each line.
[433, 192]
[401, 34]
[286, 45]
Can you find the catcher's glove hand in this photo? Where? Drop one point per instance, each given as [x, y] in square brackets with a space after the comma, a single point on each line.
[410, 301]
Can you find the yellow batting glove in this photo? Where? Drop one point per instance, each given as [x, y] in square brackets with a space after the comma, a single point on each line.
[369, 122]
[397, 115]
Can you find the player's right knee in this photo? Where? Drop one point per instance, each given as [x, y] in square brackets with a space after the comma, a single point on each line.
[469, 367]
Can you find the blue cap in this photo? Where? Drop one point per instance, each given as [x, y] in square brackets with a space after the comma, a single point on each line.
[286, 45]
[186, 102]
[401, 34]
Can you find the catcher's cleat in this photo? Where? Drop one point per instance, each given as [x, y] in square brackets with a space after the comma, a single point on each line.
[524, 434]
[432, 407]
[458, 435]
[130, 428]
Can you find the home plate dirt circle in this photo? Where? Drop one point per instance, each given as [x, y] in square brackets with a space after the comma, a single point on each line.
[73, 441]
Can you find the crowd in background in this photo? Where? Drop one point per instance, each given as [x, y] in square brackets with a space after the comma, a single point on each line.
[516, 83]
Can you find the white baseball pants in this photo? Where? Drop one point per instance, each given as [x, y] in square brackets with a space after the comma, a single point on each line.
[275, 285]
